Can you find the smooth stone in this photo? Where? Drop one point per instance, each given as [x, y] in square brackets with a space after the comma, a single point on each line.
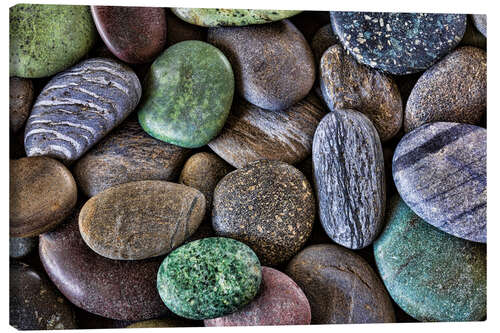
[125, 155]
[280, 301]
[268, 205]
[47, 39]
[322, 40]
[164, 322]
[480, 23]
[34, 303]
[273, 63]
[349, 178]
[453, 90]
[209, 278]
[252, 133]
[42, 194]
[79, 106]
[116, 289]
[398, 43]
[21, 94]
[179, 30]
[431, 275]
[216, 17]
[133, 34]
[188, 94]
[346, 84]
[22, 247]
[340, 286]
[472, 36]
[440, 172]
[140, 220]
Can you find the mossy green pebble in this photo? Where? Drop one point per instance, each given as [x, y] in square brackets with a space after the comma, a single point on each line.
[188, 94]
[209, 278]
[47, 39]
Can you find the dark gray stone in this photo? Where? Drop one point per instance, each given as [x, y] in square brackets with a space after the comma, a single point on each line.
[480, 23]
[21, 247]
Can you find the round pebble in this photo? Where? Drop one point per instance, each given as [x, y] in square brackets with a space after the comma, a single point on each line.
[21, 96]
[22, 247]
[322, 40]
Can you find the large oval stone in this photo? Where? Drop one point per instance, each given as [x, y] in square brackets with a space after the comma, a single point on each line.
[273, 63]
[440, 172]
[188, 94]
[348, 165]
[340, 286]
[208, 278]
[21, 94]
[252, 133]
[78, 107]
[47, 39]
[431, 275]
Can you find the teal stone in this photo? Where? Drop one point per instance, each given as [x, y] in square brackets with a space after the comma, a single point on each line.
[188, 94]
[209, 278]
[47, 39]
[431, 275]
[217, 17]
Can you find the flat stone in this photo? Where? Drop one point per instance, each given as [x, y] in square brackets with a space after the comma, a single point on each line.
[345, 84]
[440, 172]
[140, 220]
[164, 322]
[133, 34]
[398, 43]
[453, 90]
[349, 178]
[279, 302]
[21, 96]
[216, 17]
[179, 30]
[322, 40]
[268, 205]
[209, 278]
[78, 107]
[116, 289]
[125, 155]
[480, 23]
[47, 39]
[340, 286]
[42, 194]
[252, 133]
[188, 94]
[22, 247]
[431, 275]
[34, 303]
[273, 63]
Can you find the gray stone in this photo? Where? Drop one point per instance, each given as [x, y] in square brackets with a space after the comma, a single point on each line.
[480, 23]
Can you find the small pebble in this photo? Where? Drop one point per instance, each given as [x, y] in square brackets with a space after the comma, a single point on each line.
[322, 40]
[21, 96]
[480, 23]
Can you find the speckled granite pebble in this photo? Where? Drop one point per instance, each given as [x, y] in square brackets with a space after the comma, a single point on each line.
[431, 275]
[440, 171]
[21, 96]
[209, 278]
[398, 43]
[22, 247]
[340, 286]
[268, 205]
[453, 90]
[480, 23]
[322, 40]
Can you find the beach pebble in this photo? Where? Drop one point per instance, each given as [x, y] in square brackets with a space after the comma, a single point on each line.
[21, 96]
[322, 40]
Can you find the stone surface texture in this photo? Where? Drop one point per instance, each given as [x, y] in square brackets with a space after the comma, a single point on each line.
[21, 96]
[322, 40]
[480, 23]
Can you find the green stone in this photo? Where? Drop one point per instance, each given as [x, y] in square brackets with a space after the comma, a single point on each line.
[216, 17]
[188, 94]
[47, 39]
[209, 278]
[431, 275]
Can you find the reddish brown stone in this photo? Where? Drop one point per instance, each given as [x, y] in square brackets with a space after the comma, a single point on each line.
[179, 31]
[20, 100]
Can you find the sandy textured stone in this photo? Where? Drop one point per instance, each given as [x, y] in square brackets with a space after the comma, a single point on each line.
[480, 23]
[21, 96]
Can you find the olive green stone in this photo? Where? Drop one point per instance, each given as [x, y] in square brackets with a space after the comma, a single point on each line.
[188, 94]
[217, 17]
[209, 278]
[47, 39]
[431, 275]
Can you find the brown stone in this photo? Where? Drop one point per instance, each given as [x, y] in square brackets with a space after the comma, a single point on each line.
[179, 31]
[21, 96]
[322, 40]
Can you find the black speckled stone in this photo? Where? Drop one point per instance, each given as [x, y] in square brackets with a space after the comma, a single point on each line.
[398, 43]
[480, 23]
[22, 247]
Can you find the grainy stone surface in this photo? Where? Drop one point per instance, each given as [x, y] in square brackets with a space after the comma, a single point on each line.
[398, 43]
[268, 205]
[349, 178]
[431, 275]
[453, 90]
[167, 322]
[440, 171]
[340, 286]
[140, 220]
[21, 96]
[345, 84]
[480, 23]
[273, 63]
[252, 133]
[179, 30]
[22, 247]
[42, 193]
[322, 40]
[125, 155]
[279, 302]
[208, 278]
[79, 106]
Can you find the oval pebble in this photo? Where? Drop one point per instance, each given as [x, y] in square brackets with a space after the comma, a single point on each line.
[21, 96]
[322, 40]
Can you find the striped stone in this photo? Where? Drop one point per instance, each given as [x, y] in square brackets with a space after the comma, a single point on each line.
[79, 106]
[440, 172]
